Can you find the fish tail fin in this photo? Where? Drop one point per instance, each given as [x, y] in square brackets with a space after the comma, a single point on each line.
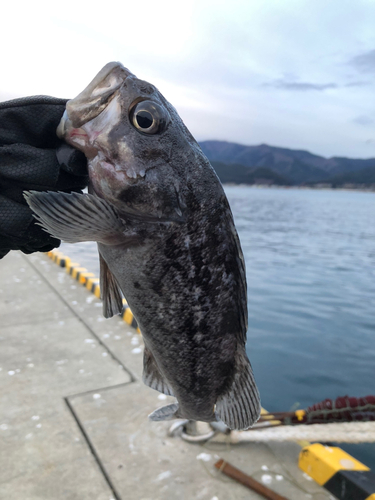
[168, 412]
[239, 408]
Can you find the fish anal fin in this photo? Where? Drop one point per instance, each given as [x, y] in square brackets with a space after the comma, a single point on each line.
[152, 376]
[110, 291]
[74, 217]
[239, 408]
[168, 412]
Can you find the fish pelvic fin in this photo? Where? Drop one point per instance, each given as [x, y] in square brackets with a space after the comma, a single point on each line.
[74, 217]
[168, 412]
[239, 408]
[152, 376]
[109, 291]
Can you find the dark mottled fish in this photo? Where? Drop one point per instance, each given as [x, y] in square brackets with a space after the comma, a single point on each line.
[166, 239]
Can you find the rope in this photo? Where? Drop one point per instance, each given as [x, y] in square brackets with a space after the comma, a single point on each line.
[348, 432]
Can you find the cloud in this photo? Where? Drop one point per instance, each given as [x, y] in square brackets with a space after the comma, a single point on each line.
[364, 120]
[357, 84]
[308, 86]
[300, 86]
[364, 62]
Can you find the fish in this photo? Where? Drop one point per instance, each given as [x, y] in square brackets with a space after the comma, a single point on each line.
[167, 243]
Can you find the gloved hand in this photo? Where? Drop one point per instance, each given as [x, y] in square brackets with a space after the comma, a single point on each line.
[33, 157]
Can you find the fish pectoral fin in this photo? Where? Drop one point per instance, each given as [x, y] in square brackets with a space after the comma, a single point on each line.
[168, 412]
[239, 408]
[74, 217]
[152, 376]
[109, 291]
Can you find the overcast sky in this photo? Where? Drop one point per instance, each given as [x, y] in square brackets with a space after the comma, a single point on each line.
[290, 73]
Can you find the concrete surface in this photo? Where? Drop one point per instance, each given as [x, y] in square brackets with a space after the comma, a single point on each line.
[73, 411]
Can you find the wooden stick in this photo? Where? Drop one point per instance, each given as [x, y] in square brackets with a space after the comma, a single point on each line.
[247, 481]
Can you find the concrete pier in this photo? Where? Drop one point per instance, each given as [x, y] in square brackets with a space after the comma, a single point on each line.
[73, 408]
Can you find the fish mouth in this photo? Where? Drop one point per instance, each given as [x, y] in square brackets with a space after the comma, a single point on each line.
[94, 98]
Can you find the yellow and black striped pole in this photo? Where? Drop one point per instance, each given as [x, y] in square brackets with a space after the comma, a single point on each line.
[89, 281]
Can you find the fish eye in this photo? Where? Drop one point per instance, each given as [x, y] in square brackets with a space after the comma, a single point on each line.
[148, 117]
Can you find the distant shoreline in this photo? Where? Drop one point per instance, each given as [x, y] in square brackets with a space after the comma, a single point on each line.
[269, 165]
[311, 188]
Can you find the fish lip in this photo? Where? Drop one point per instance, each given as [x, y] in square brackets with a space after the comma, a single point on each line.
[95, 97]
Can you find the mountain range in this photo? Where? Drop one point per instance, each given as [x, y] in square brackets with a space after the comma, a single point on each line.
[238, 163]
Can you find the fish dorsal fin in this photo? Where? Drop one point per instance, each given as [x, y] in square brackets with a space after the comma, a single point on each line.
[152, 376]
[78, 217]
[109, 291]
[239, 408]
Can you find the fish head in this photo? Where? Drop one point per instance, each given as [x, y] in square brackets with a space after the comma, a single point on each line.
[133, 138]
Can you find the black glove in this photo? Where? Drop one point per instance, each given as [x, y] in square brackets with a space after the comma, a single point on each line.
[33, 157]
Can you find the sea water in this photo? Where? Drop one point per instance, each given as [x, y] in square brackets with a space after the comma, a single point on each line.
[310, 265]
